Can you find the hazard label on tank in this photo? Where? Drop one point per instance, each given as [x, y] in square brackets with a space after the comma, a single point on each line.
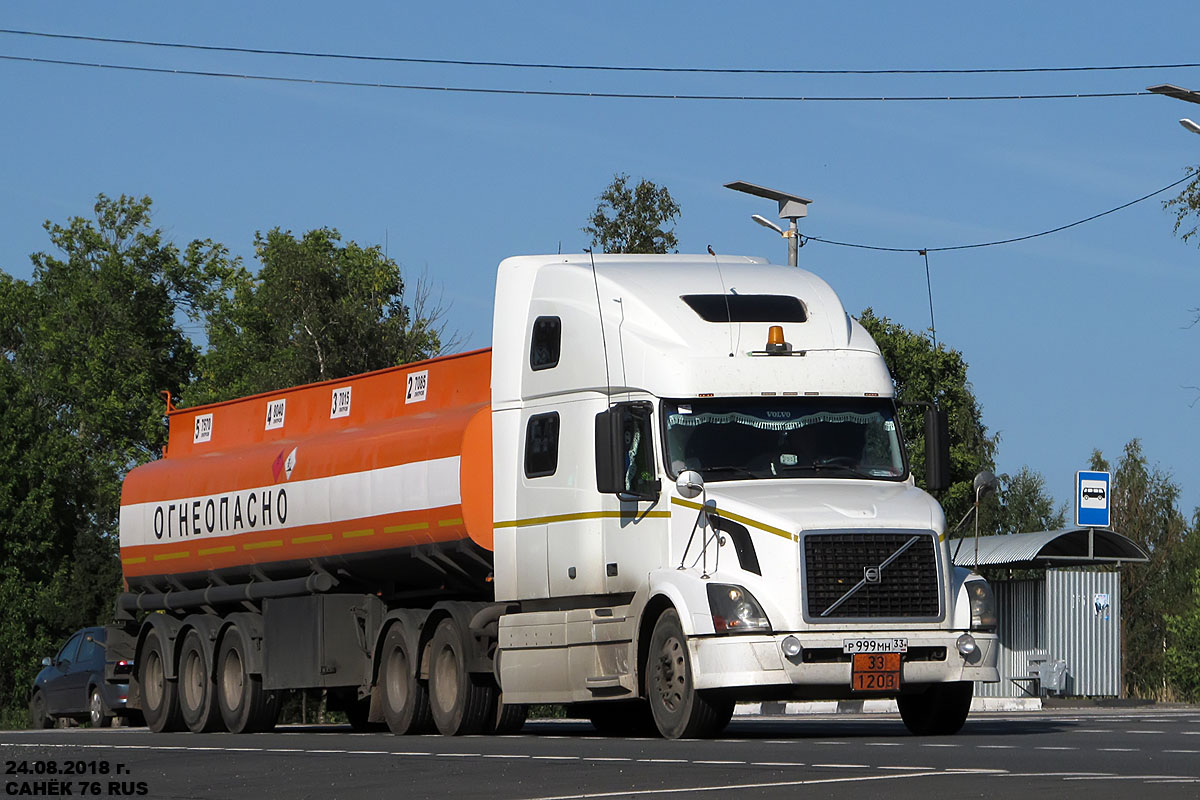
[418, 382]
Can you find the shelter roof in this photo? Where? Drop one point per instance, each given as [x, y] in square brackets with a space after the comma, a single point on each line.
[1069, 547]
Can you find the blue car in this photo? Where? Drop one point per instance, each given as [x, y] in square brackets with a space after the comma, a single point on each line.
[71, 685]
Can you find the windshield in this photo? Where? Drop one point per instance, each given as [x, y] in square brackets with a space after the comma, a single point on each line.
[739, 438]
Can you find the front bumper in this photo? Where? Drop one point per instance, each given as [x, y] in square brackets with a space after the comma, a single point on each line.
[820, 670]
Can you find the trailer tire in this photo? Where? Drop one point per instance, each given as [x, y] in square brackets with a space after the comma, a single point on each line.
[940, 710]
[246, 707]
[680, 710]
[462, 703]
[197, 687]
[160, 697]
[508, 718]
[405, 697]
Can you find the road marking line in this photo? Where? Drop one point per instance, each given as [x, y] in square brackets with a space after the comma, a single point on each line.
[607, 758]
[883, 744]
[452, 755]
[828, 742]
[736, 786]
[843, 766]
[1129, 778]
[1181, 751]
[898, 767]
[556, 758]
[663, 760]
[776, 764]
[1093, 730]
[284, 750]
[401, 753]
[996, 746]
[1177, 780]
[1056, 748]
[1119, 750]
[1143, 731]
[718, 762]
[938, 744]
[494, 755]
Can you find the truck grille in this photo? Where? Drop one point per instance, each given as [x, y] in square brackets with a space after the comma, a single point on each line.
[836, 562]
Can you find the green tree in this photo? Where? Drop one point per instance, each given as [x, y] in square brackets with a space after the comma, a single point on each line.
[86, 346]
[317, 310]
[1186, 206]
[1144, 507]
[1183, 637]
[634, 219]
[921, 375]
[1024, 505]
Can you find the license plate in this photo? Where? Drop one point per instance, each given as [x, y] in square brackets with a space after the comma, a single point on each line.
[898, 644]
[875, 672]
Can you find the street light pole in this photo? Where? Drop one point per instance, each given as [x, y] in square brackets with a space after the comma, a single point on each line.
[791, 207]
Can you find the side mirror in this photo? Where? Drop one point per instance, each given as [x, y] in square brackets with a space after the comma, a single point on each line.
[937, 449]
[47, 662]
[689, 484]
[625, 452]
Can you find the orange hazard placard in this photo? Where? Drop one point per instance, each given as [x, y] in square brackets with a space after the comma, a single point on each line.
[875, 672]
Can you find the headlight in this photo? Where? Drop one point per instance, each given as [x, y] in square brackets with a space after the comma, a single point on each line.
[983, 605]
[734, 610]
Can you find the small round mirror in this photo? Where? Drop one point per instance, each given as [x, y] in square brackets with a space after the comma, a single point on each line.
[689, 483]
[985, 484]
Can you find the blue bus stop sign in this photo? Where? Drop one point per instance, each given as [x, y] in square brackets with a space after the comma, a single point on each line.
[1092, 494]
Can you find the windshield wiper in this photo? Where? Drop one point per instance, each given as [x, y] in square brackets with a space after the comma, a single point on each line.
[843, 468]
[732, 469]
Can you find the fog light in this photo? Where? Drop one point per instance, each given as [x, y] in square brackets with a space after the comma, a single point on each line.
[791, 646]
[966, 645]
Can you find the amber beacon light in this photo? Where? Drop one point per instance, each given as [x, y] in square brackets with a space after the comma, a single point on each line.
[775, 342]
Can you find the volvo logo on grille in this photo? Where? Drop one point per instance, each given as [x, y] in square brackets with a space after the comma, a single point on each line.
[872, 574]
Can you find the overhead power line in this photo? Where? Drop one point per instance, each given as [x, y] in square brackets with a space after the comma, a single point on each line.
[560, 93]
[925, 250]
[596, 67]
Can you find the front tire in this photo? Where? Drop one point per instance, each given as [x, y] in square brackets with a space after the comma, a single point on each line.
[940, 710]
[680, 711]
[38, 716]
[98, 713]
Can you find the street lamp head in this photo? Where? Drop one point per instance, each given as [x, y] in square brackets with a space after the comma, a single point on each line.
[1178, 92]
[1191, 126]
[766, 223]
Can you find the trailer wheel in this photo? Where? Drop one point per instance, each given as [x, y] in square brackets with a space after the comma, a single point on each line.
[508, 718]
[405, 698]
[462, 703]
[197, 690]
[246, 707]
[680, 711]
[940, 710]
[160, 697]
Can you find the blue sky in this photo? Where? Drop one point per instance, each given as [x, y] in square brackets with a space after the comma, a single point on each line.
[1075, 341]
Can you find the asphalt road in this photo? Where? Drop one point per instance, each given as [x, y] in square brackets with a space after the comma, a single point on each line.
[1092, 754]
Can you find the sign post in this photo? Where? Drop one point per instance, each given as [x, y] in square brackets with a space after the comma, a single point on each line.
[1092, 496]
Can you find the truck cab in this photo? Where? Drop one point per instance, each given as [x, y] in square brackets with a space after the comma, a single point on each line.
[711, 501]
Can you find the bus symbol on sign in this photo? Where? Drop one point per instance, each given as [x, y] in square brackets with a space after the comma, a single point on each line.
[1092, 495]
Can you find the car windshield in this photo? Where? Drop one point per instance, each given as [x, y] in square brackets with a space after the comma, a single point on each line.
[801, 437]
